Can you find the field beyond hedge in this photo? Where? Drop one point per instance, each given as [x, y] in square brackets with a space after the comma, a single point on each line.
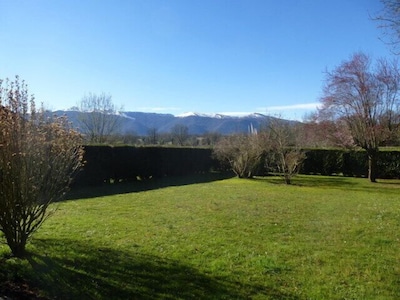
[320, 238]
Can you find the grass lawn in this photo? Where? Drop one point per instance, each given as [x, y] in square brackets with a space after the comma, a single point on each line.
[320, 238]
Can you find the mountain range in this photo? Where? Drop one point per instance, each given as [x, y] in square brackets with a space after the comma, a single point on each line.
[141, 123]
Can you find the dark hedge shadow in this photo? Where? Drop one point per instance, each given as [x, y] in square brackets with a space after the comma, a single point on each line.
[108, 189]
[311, 181]
[89, 272]
[391, 186]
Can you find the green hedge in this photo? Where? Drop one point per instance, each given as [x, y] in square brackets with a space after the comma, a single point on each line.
[127, 163]
[350, 163]
[98, 165]
[389, 164]
[106, 163]
[324, 162]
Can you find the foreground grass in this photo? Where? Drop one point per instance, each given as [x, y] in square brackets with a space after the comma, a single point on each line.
[321, 238]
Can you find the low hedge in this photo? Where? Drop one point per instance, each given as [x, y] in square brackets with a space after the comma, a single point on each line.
[350, 163]
[127, 163]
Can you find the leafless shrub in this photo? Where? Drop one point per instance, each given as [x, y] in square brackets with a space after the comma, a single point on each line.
[242, 152]
[38, 157]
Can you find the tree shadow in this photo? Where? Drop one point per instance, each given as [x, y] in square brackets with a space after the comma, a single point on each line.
[324, 181]
[392, 183]
[310, 181]
[108, 189]
[337, 182]
[82, 271]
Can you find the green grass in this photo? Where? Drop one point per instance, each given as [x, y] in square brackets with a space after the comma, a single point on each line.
[321, 238]
[390, 148]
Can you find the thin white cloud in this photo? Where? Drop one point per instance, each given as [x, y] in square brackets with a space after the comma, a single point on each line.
[235, 113]
[301, 106]
[158, 109]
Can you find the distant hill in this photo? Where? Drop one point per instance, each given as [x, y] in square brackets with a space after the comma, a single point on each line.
[140, 122]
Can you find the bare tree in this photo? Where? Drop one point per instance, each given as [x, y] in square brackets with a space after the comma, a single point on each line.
[211, 138]
[285, 156]
[152, 136]
[99, 117]
[325, 133]
[38, 157]
[389, 21]
[365, 98]
[179, 134]
[130, 137]
[242, 152]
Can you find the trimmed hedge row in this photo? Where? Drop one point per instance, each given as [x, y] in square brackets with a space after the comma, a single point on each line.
[127, 163]
[389, 164]
[350, 163]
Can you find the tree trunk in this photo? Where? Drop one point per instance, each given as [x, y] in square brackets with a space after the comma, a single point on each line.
[18, 248]
[19, 251]
[372, 165]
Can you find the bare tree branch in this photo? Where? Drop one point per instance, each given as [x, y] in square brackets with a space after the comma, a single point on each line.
[389, 21]
[98, 119]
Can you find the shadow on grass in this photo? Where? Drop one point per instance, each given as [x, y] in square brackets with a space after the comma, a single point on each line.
[80, 271]
[311, 181]
[325, 181]
[143, 185]
[337, 182]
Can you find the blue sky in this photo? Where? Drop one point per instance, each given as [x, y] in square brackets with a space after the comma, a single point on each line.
[179, 56]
